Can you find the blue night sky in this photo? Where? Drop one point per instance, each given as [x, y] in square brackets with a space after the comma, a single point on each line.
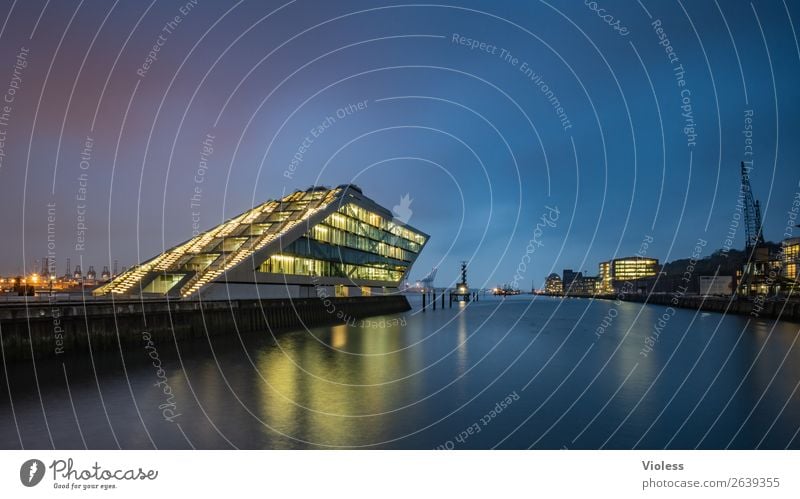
[472, 136]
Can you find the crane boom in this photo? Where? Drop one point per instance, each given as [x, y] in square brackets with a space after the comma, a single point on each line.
[752, 213]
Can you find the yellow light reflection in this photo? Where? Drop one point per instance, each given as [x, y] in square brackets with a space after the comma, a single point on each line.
[339, 336]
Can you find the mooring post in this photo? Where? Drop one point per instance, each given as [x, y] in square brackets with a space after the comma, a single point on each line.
[443, 291]
[424, 295]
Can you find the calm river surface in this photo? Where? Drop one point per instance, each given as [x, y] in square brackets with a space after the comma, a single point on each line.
[513, 373]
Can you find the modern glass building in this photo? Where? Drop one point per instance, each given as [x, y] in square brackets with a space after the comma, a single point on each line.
[317, 242]
[626, 269]
[553, 285]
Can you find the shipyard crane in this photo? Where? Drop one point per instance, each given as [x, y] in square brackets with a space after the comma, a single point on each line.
[427, 281]
[754, 237]
[752, 214]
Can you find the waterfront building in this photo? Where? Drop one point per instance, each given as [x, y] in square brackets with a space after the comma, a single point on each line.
[553, 285]
[614, 273]
[762, 273]
[577, 284]
[791, 259]
[772, 271]
[568, 277]
[318, 242]
[584, 285]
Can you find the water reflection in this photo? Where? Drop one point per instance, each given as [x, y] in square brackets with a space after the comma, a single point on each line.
[339, 337]
[332, 392]
[463, 360]
[709, 381]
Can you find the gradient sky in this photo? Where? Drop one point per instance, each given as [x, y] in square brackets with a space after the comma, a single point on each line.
[468, 135]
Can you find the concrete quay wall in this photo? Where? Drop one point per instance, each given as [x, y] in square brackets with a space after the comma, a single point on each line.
[45, 330]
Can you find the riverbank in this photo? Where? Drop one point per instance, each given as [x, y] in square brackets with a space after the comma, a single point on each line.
[51, 330]
[783, 310]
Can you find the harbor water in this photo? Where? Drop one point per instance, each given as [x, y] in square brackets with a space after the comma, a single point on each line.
[511, 373]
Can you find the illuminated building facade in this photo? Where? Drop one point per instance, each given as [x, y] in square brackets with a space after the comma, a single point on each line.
[615, 272]
[763, 273]
[317, 242]
[584, 286]
[553, 285]
[791, 259]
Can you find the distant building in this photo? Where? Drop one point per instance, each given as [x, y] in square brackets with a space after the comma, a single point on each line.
[615, 273]
[720, 285]
[762, 273]
[553, 285]
[568, 278]
[584, 285]
[791, 259]
[317, 242]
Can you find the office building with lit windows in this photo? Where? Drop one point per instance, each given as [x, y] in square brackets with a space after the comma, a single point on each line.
[614, 273]
[584, 285]
[318, 242]
[791, 259]
[553, 285]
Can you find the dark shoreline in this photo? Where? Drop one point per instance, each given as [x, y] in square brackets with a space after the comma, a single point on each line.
[770, 309]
